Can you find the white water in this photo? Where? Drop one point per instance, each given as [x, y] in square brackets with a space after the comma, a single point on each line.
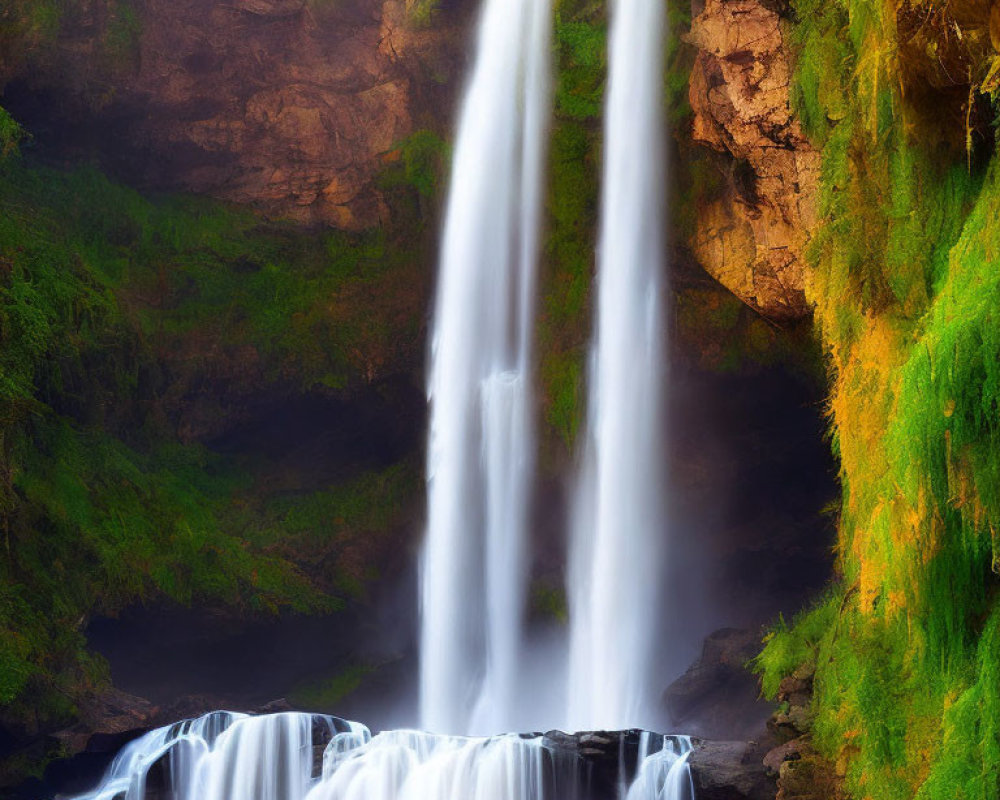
[481, 443]
[618, 527]
[664, 774]
[480, 464]
[225, 756]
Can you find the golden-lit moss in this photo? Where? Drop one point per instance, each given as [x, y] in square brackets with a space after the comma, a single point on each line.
[906, 285]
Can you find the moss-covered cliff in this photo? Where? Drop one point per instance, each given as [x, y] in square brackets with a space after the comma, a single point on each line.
[199, 402]
[142, 339]
[906, 288]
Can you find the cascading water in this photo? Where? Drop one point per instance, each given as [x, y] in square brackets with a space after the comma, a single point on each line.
[618, 527]
[481, 441]
[293, 756]
[480, 460]
[663, 774]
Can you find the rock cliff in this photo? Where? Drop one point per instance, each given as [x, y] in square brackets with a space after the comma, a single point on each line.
[751, 239]
[290, 106]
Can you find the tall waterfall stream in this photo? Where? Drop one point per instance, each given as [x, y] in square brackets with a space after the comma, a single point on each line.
[481, 452]
[619, 527]
[480, 448]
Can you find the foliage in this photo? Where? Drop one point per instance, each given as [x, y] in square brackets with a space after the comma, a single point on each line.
[111, 305]
[420, 166]
[11, 134]
[326, 694]
[336, 528]
[564, 320]
[788, 647]
[907, 298]
[421, 13]
[582, 47]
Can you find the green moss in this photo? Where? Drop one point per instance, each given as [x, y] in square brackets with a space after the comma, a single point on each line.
[111, 305]
[907, 297]
[550, 601]
[11, 135]
[582, 48]
[565, 313]
[346, 529]
[122, 35]
[421, 13]
[420, 165]
[786, 648]
[325, 694]
[33, 33]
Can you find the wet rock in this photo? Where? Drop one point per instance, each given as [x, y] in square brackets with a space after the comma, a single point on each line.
[795, 697]
[603, 759]
[803, 774]
[789, 751]
[718, 696]
[752, 239]
[730, 771]
[790, 724]
[107, 721]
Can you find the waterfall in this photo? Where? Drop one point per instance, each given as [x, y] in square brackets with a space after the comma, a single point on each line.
[480, 464]
[481, 440]
[663, 774]
[294, 756]
[618, 527]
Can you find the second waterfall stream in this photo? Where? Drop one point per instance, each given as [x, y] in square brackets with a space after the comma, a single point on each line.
[618, 540]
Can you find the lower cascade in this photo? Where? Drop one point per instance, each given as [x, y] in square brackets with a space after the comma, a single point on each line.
[298, 756]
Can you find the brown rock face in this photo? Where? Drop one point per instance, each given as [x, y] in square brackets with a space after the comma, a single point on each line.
[291, 106]
[280, 105]
[752, 240]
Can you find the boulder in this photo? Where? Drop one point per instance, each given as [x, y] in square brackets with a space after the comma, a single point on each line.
[777, 756]
[730, 771]
[718, 697]
[752, 239]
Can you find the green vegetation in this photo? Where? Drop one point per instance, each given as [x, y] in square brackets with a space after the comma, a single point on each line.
[113, 307]
[10, 135]
[120, 43]
[326, 694]
[549, 602]
[30, 28]
[565, 313]
[342, 533]
[907, 293]
[422, 12]
[422, 157]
